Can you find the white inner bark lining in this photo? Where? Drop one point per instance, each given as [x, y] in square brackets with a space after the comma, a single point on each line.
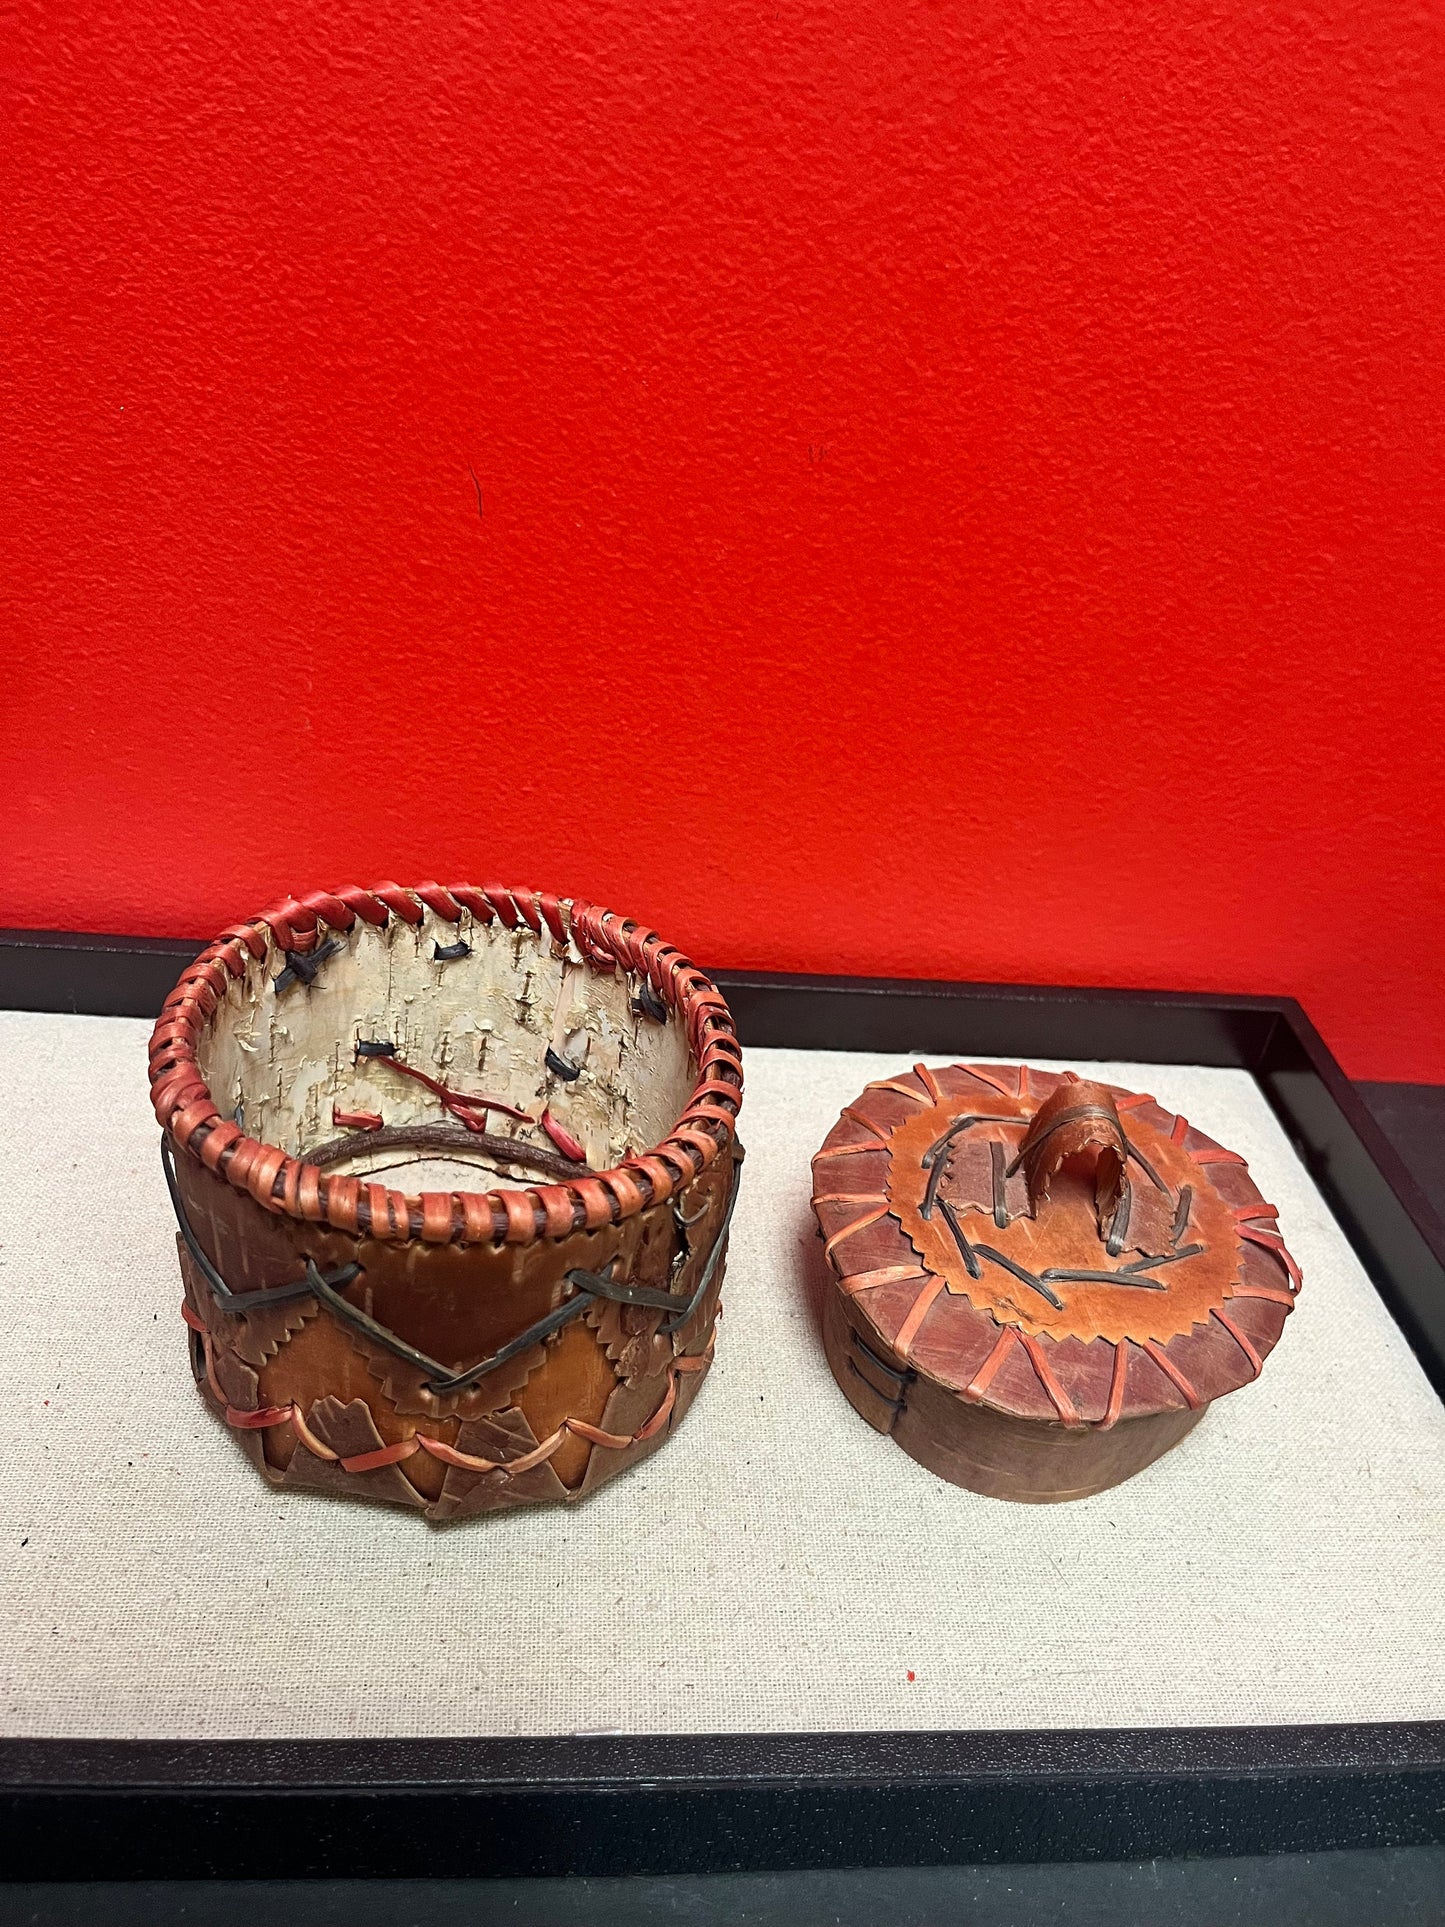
[484, 1022]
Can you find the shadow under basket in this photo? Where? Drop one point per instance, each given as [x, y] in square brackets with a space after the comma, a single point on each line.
[453, 1170]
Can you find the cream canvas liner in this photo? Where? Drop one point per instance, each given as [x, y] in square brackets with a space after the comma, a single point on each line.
[781, 1567]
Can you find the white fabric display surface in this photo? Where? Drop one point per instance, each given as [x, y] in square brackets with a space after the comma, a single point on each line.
[777, 1566]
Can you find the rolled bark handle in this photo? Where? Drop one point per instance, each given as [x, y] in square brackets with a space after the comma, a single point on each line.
[1078, 1120]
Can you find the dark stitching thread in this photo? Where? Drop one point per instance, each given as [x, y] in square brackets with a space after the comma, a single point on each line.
[1168, 1258]
[901, 1380]
[241, 1302]
[1140, 1159]
[1120, 1224]
[935, 1163]
[1071, 1116]
[1181, 1216]
[1024, 1277]
[965, 1249]
[1067, 1277]
[1000, 1203]
[590, 1285]
[647, 1003]
[895, 1405]
[438, 1137]
[301, 967]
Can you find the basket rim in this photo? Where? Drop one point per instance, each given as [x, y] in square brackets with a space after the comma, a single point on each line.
[294, 1188]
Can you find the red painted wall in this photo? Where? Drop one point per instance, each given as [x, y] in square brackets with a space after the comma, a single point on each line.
[960, 484]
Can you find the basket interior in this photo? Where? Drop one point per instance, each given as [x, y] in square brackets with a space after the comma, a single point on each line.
[284, 1061]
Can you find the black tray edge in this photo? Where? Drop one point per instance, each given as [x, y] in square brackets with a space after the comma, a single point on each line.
[608, 1804]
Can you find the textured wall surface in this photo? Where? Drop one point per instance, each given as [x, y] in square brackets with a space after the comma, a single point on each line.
[905, 487]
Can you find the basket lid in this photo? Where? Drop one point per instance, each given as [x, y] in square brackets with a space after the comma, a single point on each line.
[1052, 1247]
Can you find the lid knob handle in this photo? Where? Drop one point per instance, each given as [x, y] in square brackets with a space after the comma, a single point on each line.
[1077, 1121]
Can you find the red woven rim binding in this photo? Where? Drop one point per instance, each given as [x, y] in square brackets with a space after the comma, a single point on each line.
[295, 1189]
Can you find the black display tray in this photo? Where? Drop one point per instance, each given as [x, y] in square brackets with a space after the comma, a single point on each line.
[79, 1810]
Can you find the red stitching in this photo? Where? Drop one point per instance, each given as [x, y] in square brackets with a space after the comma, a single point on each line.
[586, 934]
[1117, 1382]
[291, 924]
[526, 903]
[917, 1313]
[521, 1209]
[290, 1187]
[552, 914]
[556, 1203]
[262, 1175]
[1272, 1241]
[1256, 1362]
[929, 1083]
[330, 909]
[659, 1174]
[342, 1194]
[440, 902]
[363, 904]
[1171, 1371]
[401, 903]
[857, 1281]
[719, 1087]
[248, 934]
[597, 1202]
[501, 902]
[569, 1146]
[706, 1144]
[1262, 1291]
[194, 1112]
[267, 1416]
[217, 1141]
[307, 1437]
[627, 1194]
[263, 1418]
[436, 1217]
[1002, 1348]
[385, 1455]
[473, 901]
[1063, 1404]
[683, 1158]
[461, 1104]
[309, 1201]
